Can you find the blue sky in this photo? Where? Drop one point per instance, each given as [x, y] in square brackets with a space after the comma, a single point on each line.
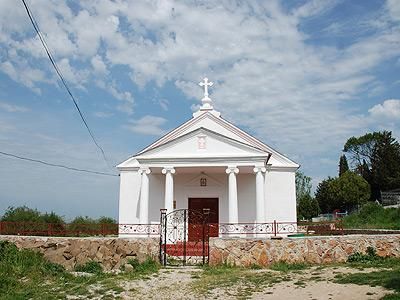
[302, 76]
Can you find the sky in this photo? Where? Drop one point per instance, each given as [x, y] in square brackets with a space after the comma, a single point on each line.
[302, 76]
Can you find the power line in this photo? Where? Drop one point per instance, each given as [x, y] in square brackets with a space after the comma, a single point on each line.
[56, 165]
[58, 71]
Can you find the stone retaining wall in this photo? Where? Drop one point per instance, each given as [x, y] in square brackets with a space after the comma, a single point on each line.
[110, 252]
[246, 252]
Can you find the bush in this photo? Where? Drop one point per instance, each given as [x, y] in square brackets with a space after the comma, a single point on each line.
[90, 267]
[370, 256]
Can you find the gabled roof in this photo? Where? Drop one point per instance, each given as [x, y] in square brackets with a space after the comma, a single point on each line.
[211, 120]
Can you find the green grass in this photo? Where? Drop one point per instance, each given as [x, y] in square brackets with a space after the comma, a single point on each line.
[25, 274]
[388, 275]
[373, 216]
[287, 267]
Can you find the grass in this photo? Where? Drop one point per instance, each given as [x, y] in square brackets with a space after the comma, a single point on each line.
[287, 267]
[388, 276]
[239, 281]
[373, 216]
[25, 274]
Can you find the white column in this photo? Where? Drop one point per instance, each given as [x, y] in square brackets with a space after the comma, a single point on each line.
[232, 195]
[260, 200]
[144, 196]
[169, 188]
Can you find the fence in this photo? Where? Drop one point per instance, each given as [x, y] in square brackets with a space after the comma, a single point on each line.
[224, 229]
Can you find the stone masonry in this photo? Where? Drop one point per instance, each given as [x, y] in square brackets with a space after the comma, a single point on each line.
[111, 253]
[315, 250]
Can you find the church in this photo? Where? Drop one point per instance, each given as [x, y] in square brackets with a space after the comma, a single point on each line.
[208, 162]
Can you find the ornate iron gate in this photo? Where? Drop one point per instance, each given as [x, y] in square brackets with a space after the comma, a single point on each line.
[184, 237]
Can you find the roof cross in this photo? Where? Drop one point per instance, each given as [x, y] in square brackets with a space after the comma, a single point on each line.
[205, 83]
[206, 101]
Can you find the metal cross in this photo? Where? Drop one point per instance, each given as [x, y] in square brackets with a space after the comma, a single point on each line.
[205, 83]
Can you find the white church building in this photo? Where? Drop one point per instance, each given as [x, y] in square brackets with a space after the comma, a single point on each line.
[208, 162]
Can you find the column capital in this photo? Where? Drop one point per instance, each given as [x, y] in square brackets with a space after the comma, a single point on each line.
[144, 170]
[168, 170]
[259, 169]
[232, 169]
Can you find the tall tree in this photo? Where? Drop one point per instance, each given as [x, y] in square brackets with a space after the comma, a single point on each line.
[376, 157]
[343, 165]
[324, 196]
[349, 191]
[303, 185]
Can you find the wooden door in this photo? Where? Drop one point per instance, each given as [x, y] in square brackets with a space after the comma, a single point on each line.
[195, 229]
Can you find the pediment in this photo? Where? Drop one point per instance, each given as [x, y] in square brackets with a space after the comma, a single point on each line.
[203, 143]
[215, 123]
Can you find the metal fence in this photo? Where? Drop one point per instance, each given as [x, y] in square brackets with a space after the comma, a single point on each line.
[224, 229]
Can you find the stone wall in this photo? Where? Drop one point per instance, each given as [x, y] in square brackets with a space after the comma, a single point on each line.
[110, 252]
[245, 252]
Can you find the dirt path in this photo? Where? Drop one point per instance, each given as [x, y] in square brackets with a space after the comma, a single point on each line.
[313, 283]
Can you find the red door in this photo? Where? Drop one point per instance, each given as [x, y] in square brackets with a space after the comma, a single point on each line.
[195, 231]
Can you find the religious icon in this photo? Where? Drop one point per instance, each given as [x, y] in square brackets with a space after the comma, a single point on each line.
[201, 142]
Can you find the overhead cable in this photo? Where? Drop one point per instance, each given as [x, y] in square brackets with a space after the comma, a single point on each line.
[56, 165]
[58, 71]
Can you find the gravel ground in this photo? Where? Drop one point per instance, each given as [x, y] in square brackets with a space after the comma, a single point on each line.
[313, 283]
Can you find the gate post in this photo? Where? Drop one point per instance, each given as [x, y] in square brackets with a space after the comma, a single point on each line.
[185, 216]
[206, 213]
[163, 232]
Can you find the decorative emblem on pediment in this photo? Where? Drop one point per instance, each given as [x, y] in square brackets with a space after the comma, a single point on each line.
[203, 180]
[201, 142]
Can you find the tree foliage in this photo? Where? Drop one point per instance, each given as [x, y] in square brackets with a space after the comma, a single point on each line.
[303, 185]
[343, 165]
[376, 157]
[324, 196]
[349, 190]
[345, 192]
[307, 208]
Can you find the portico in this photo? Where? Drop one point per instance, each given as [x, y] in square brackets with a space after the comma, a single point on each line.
[208, 158]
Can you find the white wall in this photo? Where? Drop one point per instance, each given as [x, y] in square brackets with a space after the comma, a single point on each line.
[129, 197]
[280, 196]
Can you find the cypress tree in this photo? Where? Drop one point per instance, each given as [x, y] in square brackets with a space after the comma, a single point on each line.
[343, 165]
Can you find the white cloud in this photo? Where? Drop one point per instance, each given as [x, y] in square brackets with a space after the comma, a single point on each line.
[102, 114]
[147, 125]
[389, 109]
[269, 76]
[98, 65]
[394, 9]
[12, 107]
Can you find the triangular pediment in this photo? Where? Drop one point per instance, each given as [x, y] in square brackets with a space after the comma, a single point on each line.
[202, 142]
[215, 123]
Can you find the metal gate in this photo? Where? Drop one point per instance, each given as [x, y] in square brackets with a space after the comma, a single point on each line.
[184, 237]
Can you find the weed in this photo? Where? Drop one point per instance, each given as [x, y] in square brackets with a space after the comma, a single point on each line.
[286, 267]
[90, 267]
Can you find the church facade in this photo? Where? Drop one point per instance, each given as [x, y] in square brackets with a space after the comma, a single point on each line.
[208, 162]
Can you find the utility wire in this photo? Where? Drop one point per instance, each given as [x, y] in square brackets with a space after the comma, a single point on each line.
[58, 71]
[56, 165]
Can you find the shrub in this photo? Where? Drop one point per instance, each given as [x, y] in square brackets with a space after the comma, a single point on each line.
[90, 267]
[370, 256]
